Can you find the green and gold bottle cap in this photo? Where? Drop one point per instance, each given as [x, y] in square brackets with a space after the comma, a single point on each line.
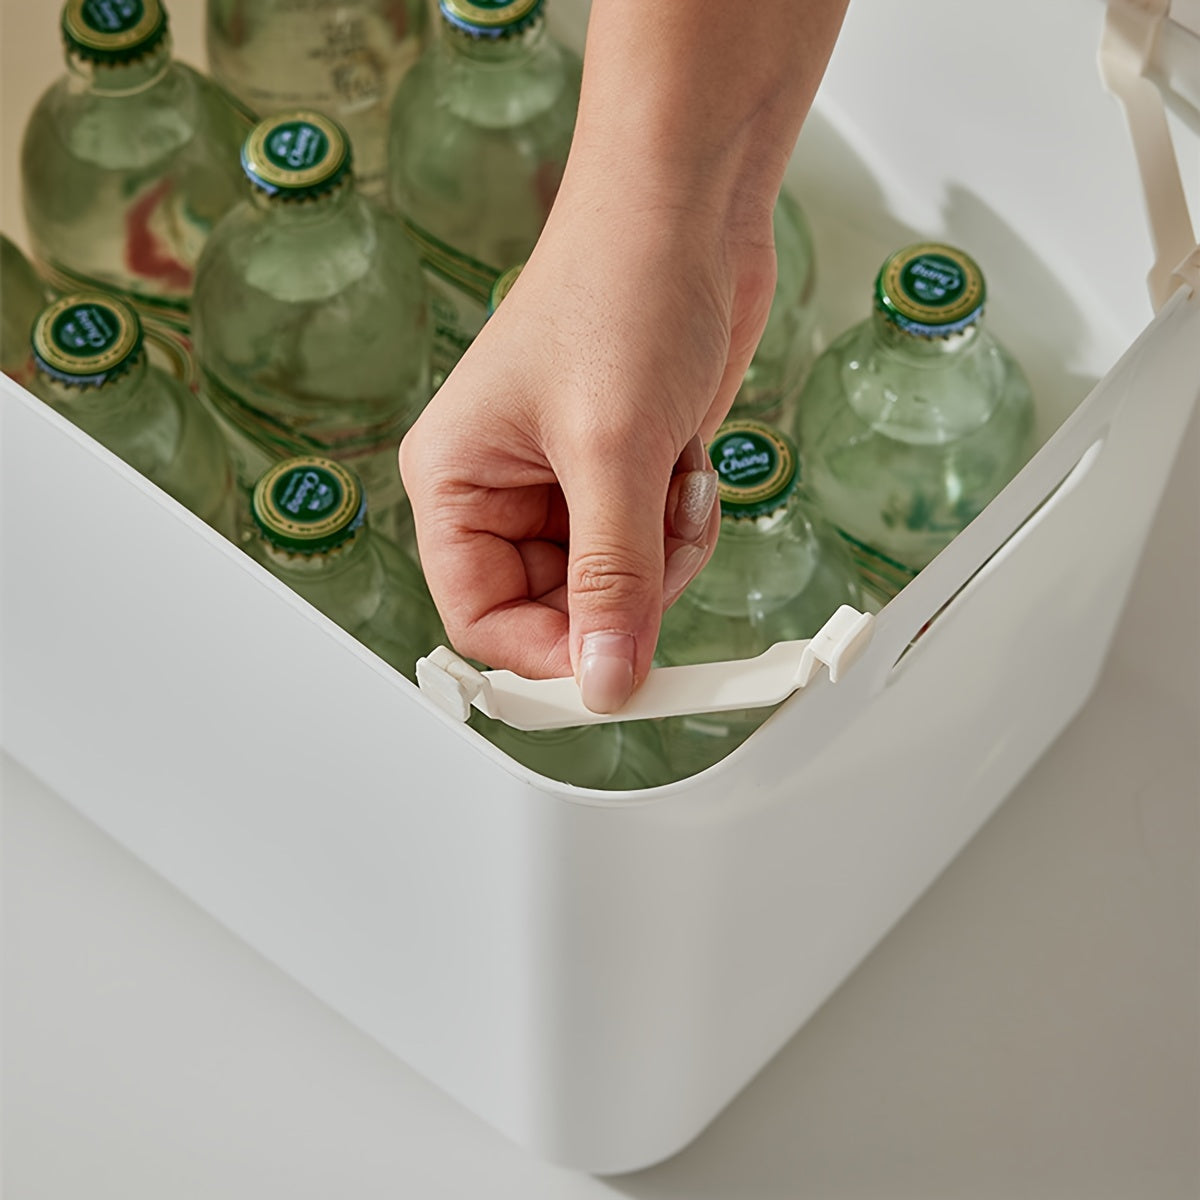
[308, 504]
[295, 155]
[86, 339]
[113, 30]
[490, 18]
[502, 287]
[930, 290]
[757, 468]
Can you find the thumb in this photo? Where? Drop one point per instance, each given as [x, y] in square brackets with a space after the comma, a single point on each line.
[615, 572]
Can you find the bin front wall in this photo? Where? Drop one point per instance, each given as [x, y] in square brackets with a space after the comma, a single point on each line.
[596, 978]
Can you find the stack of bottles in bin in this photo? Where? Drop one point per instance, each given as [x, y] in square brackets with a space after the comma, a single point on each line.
[249, 284]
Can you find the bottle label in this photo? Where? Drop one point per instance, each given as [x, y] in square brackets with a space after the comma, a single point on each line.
[755, 465]
[85, 336]
[882, 575]
[931, 289]
[161, 245]
[467, 274]
[153, 264]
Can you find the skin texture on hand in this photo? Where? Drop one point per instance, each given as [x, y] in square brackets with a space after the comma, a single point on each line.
[558, 479]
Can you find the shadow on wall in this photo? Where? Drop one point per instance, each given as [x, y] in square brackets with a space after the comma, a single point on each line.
[855, 226]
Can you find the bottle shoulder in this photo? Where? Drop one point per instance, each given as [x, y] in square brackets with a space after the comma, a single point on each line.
[135, 130]
[373, 591]
[764, 584]
[306, 258]
[927, 393]
[449, 87]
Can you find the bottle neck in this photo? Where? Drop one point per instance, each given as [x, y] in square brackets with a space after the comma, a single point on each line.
[927, 350]
[111, 402]
[310, 209]
[307, 571]
[494, 51]
[769, 557]
[120, 78]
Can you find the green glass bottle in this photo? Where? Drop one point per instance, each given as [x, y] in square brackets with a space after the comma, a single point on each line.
[22, 298]
[92, 368]
[778, 573]
[127, 163]
[480, 131]
[311, 517]
[343, 58]
[790, 339]
[913, 420]
[310, 317]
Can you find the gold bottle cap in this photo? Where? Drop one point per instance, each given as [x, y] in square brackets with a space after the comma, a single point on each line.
[113, 30]
[490, 18]
[86, 338]
[930, 290]
[296, 154]
[757, 468]
[308, 504]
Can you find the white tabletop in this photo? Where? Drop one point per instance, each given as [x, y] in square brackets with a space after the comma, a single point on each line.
[1031, 1029]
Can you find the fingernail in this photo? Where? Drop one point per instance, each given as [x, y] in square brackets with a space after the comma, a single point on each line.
[697, 495]
[606, 670]
[694, 456]
[682, 568]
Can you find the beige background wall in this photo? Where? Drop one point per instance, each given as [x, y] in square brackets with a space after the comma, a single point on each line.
[31, 59]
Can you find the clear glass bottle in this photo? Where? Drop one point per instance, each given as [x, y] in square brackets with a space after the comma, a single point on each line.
[311, 517]
[644, 762]
[480, 131]
[778, 573]
[583, 755]
[92, 368]
[127, 163]
[791, 337]
[310, 317]
[913, 420]
[23, 295]
[343, 58]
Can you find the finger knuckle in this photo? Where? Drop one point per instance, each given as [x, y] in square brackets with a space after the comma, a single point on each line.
[608, 575]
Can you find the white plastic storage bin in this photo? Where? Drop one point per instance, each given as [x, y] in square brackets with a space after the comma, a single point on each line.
[597, 974]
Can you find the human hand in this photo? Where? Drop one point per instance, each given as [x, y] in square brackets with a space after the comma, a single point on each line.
[562, 494]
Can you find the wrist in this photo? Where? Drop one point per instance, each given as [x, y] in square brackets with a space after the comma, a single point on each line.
[696, 107]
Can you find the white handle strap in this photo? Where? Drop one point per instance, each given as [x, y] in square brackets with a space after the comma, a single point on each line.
[454, 685]
[1126, 49]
